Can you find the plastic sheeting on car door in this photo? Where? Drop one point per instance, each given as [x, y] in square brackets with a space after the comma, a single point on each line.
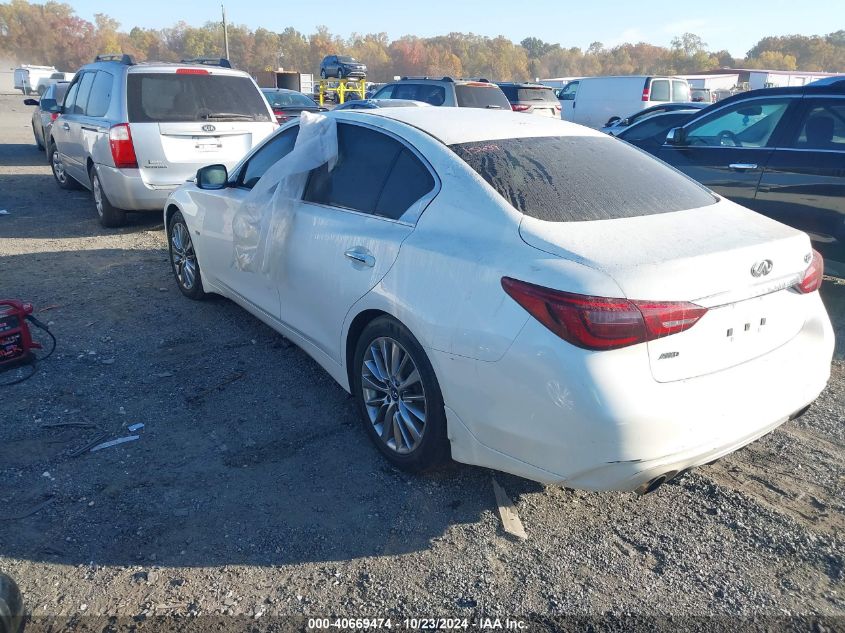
[261, 225]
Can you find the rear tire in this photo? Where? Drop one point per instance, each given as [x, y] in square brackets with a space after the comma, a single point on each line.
[398, 396]
[340, 73]
[109, 215]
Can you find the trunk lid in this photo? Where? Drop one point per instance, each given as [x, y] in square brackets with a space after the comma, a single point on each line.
[704, 256]
[170, 153]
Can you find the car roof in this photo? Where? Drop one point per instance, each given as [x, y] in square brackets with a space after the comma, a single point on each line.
[466, 125]
[523, 84]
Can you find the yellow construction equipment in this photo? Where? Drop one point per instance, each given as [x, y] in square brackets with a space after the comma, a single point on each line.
[355, 87]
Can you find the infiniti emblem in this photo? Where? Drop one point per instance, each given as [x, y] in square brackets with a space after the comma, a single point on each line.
[208, 127]
[760, 269]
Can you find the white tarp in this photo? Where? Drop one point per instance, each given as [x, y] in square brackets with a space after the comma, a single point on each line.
[261, 225]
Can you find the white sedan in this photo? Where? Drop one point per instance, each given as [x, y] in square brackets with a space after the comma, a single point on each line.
[522, 293]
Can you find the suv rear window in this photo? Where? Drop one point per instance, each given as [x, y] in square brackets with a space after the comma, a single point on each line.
[481, 96]
[529, 94]
[576, 178]
[159, 97]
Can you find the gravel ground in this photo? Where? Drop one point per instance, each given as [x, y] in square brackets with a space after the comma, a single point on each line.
[253, 490]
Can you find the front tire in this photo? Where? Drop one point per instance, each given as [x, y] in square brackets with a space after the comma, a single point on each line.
[399, 397]
[183, 258]
[62, 178]
[38, 142]
[340, 73]
[322, 73]
[109, 215]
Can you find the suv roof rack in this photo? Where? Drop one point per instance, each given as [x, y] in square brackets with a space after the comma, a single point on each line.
[208, 61]
[123, 58]
[426, 77]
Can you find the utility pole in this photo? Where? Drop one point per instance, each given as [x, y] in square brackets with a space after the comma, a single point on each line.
[225, 32]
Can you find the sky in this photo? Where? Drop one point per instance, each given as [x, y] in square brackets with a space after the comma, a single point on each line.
[733, 25]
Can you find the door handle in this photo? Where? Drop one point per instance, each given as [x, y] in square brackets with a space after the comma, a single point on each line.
[361, 257]
[65, 126]
[742, 166]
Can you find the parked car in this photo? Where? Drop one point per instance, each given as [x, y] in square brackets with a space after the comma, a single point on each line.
[342, 67]
[701, 95]
[132, 133]
[531, 98]
[46, 111]
[446, 91]
[615, 125]
[593, 100]
[372, 104]
[649, 133]
[44, 82]
[289, 104]
[26, 77]
[779, 151]
[641, 328]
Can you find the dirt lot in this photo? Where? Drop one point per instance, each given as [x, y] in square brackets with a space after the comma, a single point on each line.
[253, 490]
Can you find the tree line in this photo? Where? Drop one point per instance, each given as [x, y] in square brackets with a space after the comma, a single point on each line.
[52, 34]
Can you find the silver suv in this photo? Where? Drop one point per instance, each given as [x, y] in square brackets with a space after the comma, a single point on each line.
[446, 91]
[132, 133]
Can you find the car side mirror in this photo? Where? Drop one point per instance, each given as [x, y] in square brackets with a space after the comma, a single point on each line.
[212, 177]
[675, 136]
[31, 102]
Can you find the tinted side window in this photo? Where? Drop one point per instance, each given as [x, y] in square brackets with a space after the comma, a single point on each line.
[743, 124]
[405, 91]
[567, 93]
[822, 126]
[409, 180]
[481, 96]
[365, 159]
[659, 90]
[70, 98]
[80, 107]
[275, 149]
[385, 93]
[655, 128]
[98, 102]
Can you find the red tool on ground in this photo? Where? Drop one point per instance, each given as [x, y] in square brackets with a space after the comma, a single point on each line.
[16, 342]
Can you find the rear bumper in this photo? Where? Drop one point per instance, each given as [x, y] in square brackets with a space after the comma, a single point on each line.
[599, 421]
[126, 189]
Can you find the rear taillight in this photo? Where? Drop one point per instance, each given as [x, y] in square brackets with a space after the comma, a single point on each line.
[812, 279]
[602, 323]
[557, 107]
[122, 149]
[646, 94]
[516, 107]
[54, 116]
[281, 117]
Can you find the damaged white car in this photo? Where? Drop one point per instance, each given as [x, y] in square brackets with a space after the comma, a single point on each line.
[517, 292]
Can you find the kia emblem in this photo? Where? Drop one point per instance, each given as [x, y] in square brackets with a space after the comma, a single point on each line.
[208, 127]
[761, 269]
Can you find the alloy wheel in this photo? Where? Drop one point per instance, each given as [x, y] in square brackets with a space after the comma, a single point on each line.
[98, 193]
[183, 255]
[58, 167]
[394, 395]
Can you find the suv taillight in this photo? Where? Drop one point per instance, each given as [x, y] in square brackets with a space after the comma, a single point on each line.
[812, 279]
[646, 94]
[122, 149]
[516, 107]
[602, 323]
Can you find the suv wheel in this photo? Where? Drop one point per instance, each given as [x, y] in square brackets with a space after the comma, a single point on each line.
[109, 215]
[340, 72]
[322, 73]
[64, 181]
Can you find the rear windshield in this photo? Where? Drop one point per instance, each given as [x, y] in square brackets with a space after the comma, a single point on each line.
[529, 94]
[159, 97]
[481, 96]
[288, 99]
[575, 178]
